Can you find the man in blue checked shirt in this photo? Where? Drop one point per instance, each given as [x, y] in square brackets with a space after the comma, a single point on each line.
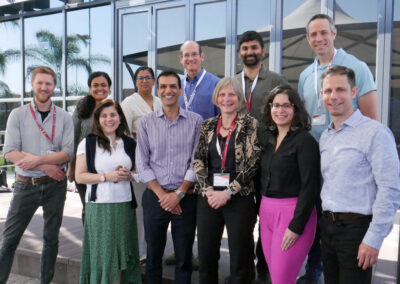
[361, 189]
[167, 140]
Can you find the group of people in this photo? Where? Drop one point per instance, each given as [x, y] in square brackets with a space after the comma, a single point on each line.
[208, 154]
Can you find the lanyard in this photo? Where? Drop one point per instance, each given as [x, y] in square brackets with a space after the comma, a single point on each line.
[318, 94]
[248, 102]
[39, 125]
[228, 138]
[189, 102]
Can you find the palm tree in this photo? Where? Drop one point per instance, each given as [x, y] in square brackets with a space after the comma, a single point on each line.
[49, 52]
[5, 57]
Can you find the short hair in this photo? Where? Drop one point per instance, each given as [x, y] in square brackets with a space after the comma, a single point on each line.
[249, 36]
[322, 16]
[340, 70]
[98, 74]
[44, 70]
[167, 74]
[122, 129]
[198, 45]
[142, 68]
[301, 119]
[228, 81]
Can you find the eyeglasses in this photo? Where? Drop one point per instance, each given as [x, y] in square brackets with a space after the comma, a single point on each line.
[141, 78]
[285, 106]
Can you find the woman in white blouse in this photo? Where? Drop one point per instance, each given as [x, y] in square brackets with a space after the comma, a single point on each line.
[104, 162]
[135, 107]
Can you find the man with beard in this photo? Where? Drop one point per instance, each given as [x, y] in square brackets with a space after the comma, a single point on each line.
[39, 141]
[257, 82]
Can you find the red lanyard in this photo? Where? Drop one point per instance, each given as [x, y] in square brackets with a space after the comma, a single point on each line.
[228, 138]
[248, 105]
[41, 127]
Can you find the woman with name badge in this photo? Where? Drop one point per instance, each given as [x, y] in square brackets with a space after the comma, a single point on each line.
[226, 162]
[99, 87]
[105, 160]
[290, 184]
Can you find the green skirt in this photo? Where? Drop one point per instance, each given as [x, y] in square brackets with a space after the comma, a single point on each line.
[110, 244]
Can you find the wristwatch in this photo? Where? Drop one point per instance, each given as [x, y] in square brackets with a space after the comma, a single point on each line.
[102, 178]
[229, 191]
[180, 194]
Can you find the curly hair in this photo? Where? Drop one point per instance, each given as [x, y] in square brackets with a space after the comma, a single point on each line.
[301, 119]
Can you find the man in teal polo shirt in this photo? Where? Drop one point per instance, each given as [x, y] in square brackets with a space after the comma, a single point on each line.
[321, 33]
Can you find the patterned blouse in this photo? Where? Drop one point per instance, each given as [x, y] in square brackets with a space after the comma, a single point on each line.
[247, 155]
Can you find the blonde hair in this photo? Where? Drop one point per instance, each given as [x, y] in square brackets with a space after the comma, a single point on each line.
[228, 81]
[44, 70]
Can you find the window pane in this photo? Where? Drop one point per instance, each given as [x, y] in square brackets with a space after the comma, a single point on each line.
[357, 29]
[135, 43]
[88, 47]
[43, 46]
[10, 60]
[259, 11]
[5, 110]
[168, 43]
[296, 53]
[210, 32]
[395, 82]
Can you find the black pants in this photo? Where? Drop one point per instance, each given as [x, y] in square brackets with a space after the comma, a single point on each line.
[339, 242]
[239, 216]
[183, 226]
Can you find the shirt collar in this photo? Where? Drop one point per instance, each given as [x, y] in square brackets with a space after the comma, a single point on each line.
[262, 74]
[35, 107]
[197, 77]
[352, 121]
[182, 113]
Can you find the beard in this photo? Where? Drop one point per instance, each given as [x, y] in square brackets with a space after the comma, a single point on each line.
[251, 60]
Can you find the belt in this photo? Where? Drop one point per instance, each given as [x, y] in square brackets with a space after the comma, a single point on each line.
[338, 216]
[34, 180]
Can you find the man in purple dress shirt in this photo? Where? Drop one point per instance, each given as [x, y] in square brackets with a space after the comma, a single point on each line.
[167, 140]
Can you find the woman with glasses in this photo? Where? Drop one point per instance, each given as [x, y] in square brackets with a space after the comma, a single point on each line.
[135, 107]
[142, 101]
[225, 163]
[290, 184]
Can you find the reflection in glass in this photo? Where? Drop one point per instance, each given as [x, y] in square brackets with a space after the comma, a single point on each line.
[168, 43]
[296, 53]
[88, 47]
[5, 110]
[10, 60]
[394, 122]
[43, 46]
[210, 32]
[134, 48]
[259, 11]
[357, 29]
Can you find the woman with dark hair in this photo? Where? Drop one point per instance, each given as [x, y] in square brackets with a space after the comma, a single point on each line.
[99, 86]
[142, 101]
[225, 163]
[290, 184]
[135, 107]
[105, 160]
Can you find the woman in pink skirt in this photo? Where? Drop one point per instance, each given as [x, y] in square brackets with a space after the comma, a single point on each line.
[290, 184]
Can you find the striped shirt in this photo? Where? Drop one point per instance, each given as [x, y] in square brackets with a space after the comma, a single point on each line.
[165, 149]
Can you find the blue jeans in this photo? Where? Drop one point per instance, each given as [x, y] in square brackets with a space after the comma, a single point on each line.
[156, 221]
[26, 200]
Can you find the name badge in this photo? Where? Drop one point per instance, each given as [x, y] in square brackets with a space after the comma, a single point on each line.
[51, 150]
[319, 119]
[221, 180]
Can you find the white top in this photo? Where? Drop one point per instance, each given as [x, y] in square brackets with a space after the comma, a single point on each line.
[109, 192]
[135, 107]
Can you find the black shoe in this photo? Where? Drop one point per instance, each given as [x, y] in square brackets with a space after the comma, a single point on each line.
[170, 260]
